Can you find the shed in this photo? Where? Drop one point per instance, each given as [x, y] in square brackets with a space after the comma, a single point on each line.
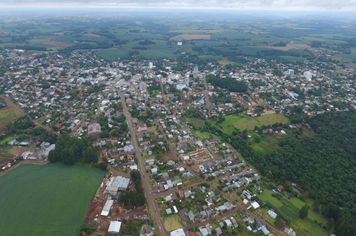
[114, 227]
[107, 207]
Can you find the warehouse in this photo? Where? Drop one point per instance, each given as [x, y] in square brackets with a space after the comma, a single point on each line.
[116, 184]
[114, 227]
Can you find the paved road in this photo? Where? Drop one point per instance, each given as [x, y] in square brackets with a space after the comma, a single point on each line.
[206, 92]
[11, 103]
[145, 182]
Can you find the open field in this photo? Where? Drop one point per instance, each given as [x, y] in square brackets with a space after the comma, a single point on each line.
[182, 37]
[4, 154]
[8, 115]
[92, 35]
[202, 135]
[46, 199]
[54, 43]
[290, 46]
[196, 122]
[209, 31]
[172, 222]
[266, 196]
[249, 123]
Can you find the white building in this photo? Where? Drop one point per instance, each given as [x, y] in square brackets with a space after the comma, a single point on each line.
[107, 207]
[150, 65]
[114, 227]
[143, 86]
[177, 232]
[308, 75]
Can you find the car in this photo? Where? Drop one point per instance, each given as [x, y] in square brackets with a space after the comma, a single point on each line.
[159, 227]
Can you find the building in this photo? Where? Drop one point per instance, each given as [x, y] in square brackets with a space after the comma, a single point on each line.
[177, 232]
[142, 86]
[195, 71]
[94, 129]
[308, 75]
[107, 207]
[114, 227]
[150, 65]
[141, 127]
[272, 214]
[290, 72]
[146, 231]
[116, 184]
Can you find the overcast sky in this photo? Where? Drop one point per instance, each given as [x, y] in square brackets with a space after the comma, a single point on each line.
[328, 5]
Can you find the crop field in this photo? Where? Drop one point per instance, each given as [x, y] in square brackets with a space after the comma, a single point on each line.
[182, 37]
[46, 199]
[172, 222]
[196, 122]
[8, 115]
[54, 43]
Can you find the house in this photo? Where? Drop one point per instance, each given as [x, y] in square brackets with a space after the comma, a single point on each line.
[141, 127]
[280, 188]
[255, 205]
[147, 231]
[265, 231]
[242, 214]
[228, 223]
[259, 225]
[154, 170]
[94, 128]
[272, 214]
[234, 222]
[218, 231]
[177, 232]
[168, 198]
[169, 211]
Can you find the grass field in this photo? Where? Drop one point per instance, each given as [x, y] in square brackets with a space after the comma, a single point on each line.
[46, 199]
[8, 115]
[249, 123]
[196, 122]
[266, 196]
[202, 135]
[172, 222]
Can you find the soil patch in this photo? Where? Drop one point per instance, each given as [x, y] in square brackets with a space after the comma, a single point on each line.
[166, 156]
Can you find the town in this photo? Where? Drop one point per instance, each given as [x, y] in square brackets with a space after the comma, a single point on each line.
[149, 119]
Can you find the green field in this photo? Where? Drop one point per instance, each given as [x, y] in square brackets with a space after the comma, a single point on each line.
[8, 115]
[249, 123]
[46, 199]
[196, 122]
[266, 196]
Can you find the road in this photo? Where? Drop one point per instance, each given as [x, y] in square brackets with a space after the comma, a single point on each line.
[207, 101]
[11, 103]
[145, 182]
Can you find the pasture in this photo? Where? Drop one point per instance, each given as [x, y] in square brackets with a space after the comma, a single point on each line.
[46, 199]
[172, 222]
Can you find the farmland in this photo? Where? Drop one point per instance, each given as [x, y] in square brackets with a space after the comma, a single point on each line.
[46, 199]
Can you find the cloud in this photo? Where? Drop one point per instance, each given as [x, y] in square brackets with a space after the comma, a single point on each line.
[224, 4]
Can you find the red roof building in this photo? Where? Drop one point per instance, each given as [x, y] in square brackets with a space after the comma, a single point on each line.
[280, 188]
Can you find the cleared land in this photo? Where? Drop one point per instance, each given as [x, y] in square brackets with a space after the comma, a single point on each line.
[8, 115]
[249, 123]
[46, 199]
[190, 37]
[172, 222]
[291, 46]
[54, 43]
[93, 35]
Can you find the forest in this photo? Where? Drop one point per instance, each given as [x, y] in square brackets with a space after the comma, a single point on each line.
[129, 197]
[227, 83]
[324, 165]
[70, 150]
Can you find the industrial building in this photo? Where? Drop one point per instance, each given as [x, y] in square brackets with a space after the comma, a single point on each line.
[114, 227]
[116, 184]
[107, 207]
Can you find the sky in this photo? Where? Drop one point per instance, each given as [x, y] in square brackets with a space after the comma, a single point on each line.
[303, 5]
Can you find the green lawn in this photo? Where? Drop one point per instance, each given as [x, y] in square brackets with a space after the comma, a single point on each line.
[46, 199]
[266, 196]
[203, 135]
[196, 122]
[266, 145]
[249, 123]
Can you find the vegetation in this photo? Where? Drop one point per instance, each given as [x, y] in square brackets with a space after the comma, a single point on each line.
[134, 198]
[70, 150]
[227, 83]
[63, 192]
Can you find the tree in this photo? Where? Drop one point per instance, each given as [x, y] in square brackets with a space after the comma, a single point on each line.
[303, 212]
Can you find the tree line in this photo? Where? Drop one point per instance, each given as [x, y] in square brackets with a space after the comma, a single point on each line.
[228, 83]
